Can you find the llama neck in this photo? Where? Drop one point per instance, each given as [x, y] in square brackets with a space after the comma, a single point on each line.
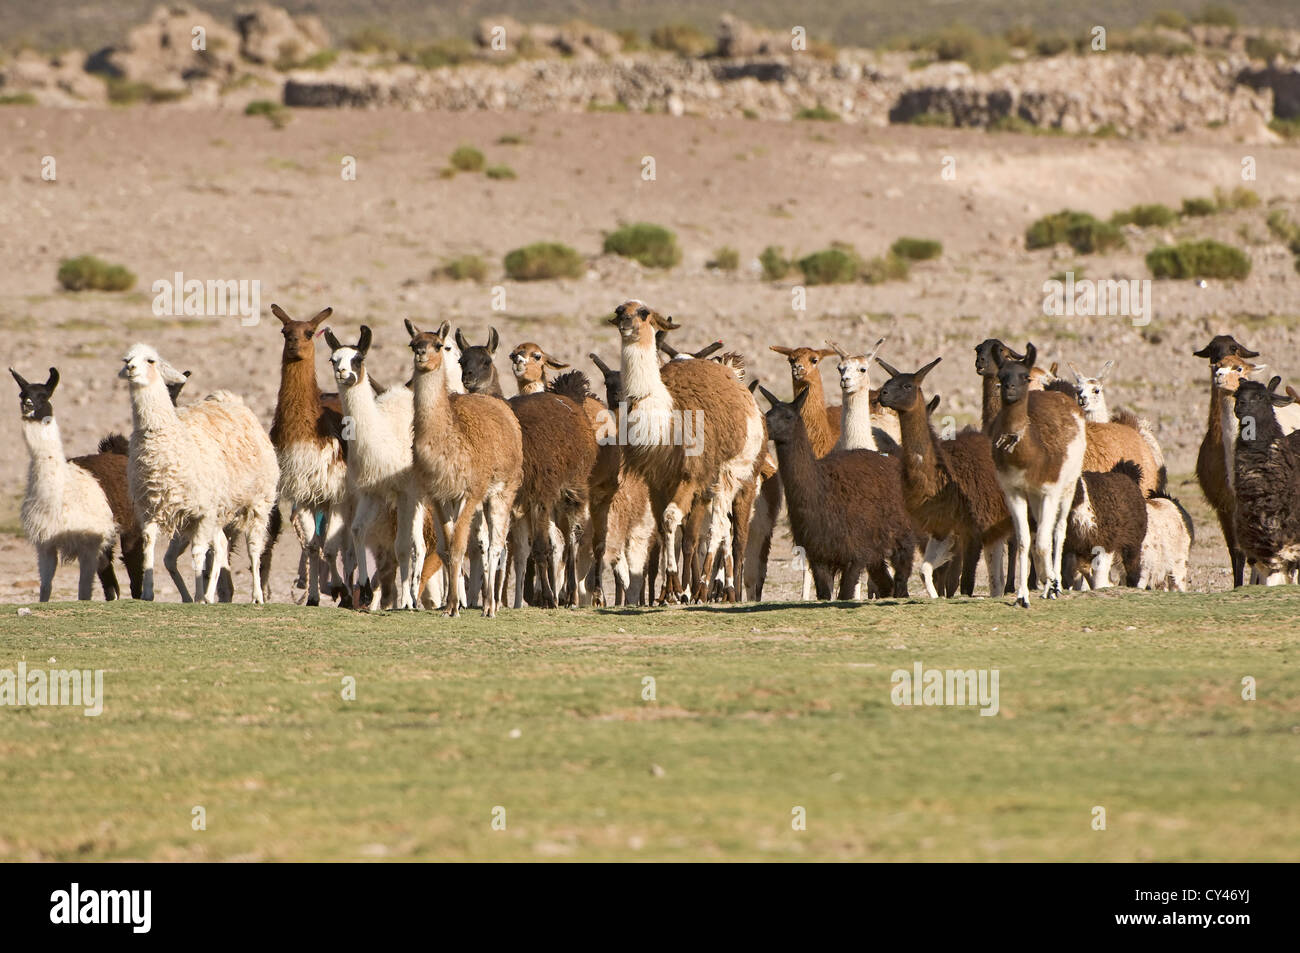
[533, 387]
[641, 380]
[1014, 418]
[433, 421]
[359, 404]
[152, 408]
[452, 376]
[922, 474]
[1228, 430]
[799, 475]
[992, 400]
[813, 413]
[47, 467]
[297, 407]
[855, 429]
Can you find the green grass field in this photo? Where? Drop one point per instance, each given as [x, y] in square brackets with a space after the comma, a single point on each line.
[1128, 701]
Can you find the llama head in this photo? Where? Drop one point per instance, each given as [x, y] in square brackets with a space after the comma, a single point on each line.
[783, 420]
[349, 361]
[1231, 370]
[34, 399]
[803, 363]
[429, 347]
[613, 381]
[529, 362]
[174, 388]
[1091, 392]
[1221, 346]
[990, 355]
[299, 336]
[855, 369]
[637, 323]
[1014, 376]
[476, 371]
[143, 367]
[1254, 409]
[902, 392]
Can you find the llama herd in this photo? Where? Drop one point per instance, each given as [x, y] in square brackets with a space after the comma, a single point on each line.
[441, 491]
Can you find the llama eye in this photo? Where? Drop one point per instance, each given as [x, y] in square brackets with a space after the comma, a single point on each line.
[152, 361]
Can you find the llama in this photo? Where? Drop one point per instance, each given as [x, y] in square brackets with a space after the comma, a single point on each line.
[946, 485]
[1211, 466]
[529, 364]
[468, 457]
[1039, 439]
[866, 423]
[1267, 482]
[846, 508]
[312, 454]
[1167, 545]
[990, 354]
[1108, 517]
[1091, 394]
[477, 371]
[66, 512]
[823, 422]
[380, 469]
[728, 438]
[196, 472]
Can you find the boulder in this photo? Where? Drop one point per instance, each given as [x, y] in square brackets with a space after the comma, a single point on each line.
[176, 44]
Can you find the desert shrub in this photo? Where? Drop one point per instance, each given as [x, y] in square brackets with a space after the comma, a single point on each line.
[1196, 208]
[463, 268]
[652, 245]
[1145, 216]
[683, 39]
[467, 159]
[818, 113]
[373, 39]
[725, 258]
[126, 92]
[1263, 48]
[1151, 44]
[543, 260]
[1216, 14]
[1286, 128]
[631, 40]
[88, 273]
[500, 172]
[1283, 229]
[1080, 230]
[322, 59]
[1169, 19]
[276, 113]
[1239, 198]
[1021, 35]
[449, 52]
[511, 139]
[774, 263]
[831, 266]
[1053, 45]
[18, 99]
[884, 268]
[917, 249]
[933, 118]
[978, 51]
[1200, 259]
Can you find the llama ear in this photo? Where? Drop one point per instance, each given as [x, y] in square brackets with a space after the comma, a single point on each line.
[1281, 400]
[1105, 369]
[663, 323]
[331, 340]
[889, 369]
[1272, 384]
[934, 402]
[363, 345]
[169, 374]
[779, 349]
[824, 352]
[1244, 351]
[604, 368]
[876, 349]
[1031, 353]
[1078, 378]
[800, 399]
[769, 396]
[553, 363]
[316, 321]
[707, 350]
[280, 313]
[444, 330]
[665, 346]
[411, 329]
[753, 385]
[920, 375]
[1255, 367]
[461, 342]
[1203, 352]
[52, 381]
[493, 340]
[835, 348]
[22, 381]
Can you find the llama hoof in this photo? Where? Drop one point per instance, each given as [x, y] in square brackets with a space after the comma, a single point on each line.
[1022, 602]
[729, 595]
[597, 599]
[313, 600]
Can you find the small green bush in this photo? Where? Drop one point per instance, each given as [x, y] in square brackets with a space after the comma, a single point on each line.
[1239, 198]
[373, 39]
[652, 245]
[1286, 128]
[1283, 229]
[511, 139]
[88, 273]
[683, 39]
[1169, 19]
[1080, 230]
[978, 51]
[1020, 35]
[1145, 216]
[449, 52]
[125, 92]
[1151, 44]
[917, 249]
[818, 113]
[464, 268]
[1200, 259]
[467, 159]
[500, 172]
[1216, 14]
[1196, 208]
[725, 258]
[323, 59]
[831, 266]
[18, 99]
[275, 112]
[775, 265]
[933, 118]
[1053, 45]
[543, 260]
[1263, 48]
[884, 268]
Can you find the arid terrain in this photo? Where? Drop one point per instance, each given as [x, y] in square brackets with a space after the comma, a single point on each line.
[217, 195]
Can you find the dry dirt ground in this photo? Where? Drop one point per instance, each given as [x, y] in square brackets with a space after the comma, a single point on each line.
[222, 196]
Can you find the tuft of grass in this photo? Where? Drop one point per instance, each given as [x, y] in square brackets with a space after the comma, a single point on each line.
[1264, 48]
[463, 268]
[1239, 198]
[1197, 207]
[373, 39]
[18, 99]
[831, 266]
[652, 245]
[1217, 14]
[977, 50]
[1145, 216]
[682, 39]
[544, 260]
[725, 258]
[467, 159]
[1080, 230]
[917, 249]
[1283, 229]
[500, 172]
[818, 113]
[1198, 259]
[1286, 128]
[932, 118]
[511, 139]
[1169, 19]
[276, 113]
[125, 92]
[321, 59]
[882, 268]
[774, 263]
[449, 52]
[88, 273]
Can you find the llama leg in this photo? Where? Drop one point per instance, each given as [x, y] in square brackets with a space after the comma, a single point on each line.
[1043, 539]
[200, 547]
[366, 513]
[459, 541]
[881, 582]
[995, 556]
[1101, 563]
[937, 553]
[807, 583]
[1019, 508]
[849, 581]
[171, 560]
[496, 517]
[520, 545]
[220, 562]
[87, 563]
[47, 560]
[107, 577]
[1275, 577]
[969, 563]
[1061, 526]
[478, 551]
[673, 515]
[255, 539]
[823, 576]
[305, 521]
[148, 539]
[404, 539]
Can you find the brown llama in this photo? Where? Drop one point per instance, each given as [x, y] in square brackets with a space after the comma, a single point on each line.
[529, 363]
